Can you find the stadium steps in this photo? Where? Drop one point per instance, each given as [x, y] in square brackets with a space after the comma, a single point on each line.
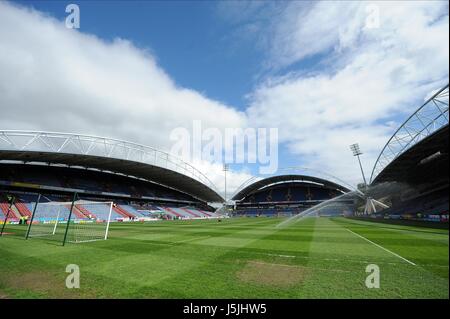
[122, 212]
[2, 210]
[76, 211]
[182, 212]
[191, 212]
[102, 211]
[13, 214]
[82, 212]
[16, 212]
[23, 209]
[126, 212]
[171, 211]
[4, 207]
[205, 213]
[130, 209]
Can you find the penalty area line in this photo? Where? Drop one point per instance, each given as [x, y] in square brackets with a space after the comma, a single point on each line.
[379, 246]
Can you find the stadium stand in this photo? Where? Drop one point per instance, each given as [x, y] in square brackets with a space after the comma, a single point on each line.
[191, 212]
[291, 193]
[133, 199]
[4, 208]
[141, 182]
[172, 212]
[23, 208]
[284, 195]
[101, 211]
[418, 166]
[122, 212]
[134, 211]
[88, 181]
[433, 206]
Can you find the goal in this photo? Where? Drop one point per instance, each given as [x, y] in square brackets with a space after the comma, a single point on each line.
[74, 222]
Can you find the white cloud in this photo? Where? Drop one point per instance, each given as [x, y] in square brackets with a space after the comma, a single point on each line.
[308, 29]
[235, 177]
[58, 79]
[373, 76]
[54, 78]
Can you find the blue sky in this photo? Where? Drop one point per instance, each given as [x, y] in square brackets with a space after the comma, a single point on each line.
[189, 39]
[321, 72]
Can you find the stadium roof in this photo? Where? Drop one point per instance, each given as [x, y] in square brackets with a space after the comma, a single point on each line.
[424, 122]
[255, 184]
[107, 155]
[411, 166]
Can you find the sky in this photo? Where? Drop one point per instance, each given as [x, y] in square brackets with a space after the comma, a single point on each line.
[326, 74]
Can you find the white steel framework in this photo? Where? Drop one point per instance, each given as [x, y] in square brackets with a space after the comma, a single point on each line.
[426, 120]
[296, 171]
[66, 143]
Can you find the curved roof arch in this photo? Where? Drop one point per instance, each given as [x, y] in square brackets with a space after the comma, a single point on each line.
[291, 174]
[413, 167]
[107, 154]
[427, 119]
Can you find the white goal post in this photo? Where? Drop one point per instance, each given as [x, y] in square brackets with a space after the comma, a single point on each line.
[74, 222]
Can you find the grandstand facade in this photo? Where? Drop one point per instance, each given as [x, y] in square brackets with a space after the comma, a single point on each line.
[284, 195]
[142, 182]
[411, 173]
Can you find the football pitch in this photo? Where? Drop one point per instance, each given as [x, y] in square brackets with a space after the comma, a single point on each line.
[235, 258]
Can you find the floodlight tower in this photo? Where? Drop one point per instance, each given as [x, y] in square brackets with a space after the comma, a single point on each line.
[357, 152]
[371, 203]
[225, 170]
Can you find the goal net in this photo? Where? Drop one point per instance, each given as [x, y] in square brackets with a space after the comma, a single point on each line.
[83, 221]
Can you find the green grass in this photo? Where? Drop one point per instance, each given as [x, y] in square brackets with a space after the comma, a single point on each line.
[237, 258]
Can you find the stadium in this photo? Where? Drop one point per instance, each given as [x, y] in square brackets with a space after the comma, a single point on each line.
[141, 223]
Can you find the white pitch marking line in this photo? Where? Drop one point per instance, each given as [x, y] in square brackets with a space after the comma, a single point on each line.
[385, 249]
